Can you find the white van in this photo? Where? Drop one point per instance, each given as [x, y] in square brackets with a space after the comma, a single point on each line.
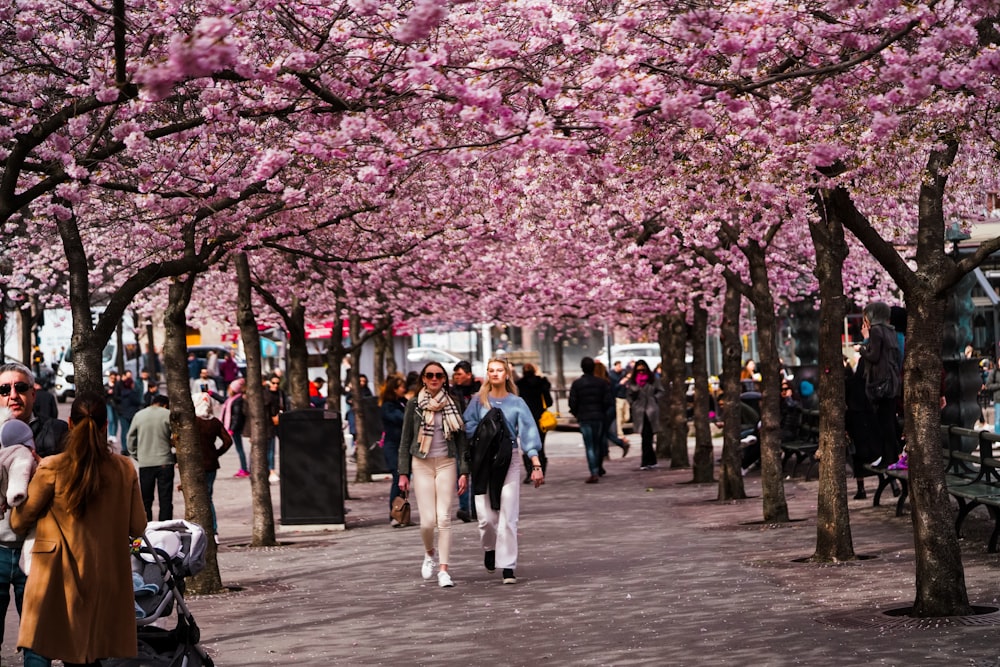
[65, 387]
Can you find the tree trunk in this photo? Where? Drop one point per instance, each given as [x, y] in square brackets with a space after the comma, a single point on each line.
[833, 522]
[379, 373]
[25, 322]
[152, 359]
[362, 474]
[120, 345]
[335, 353]
[731, 476]
[260, 488]
[673, 429]
[87, 344]
[940, 576]
[940, 584]
[190, 462]
[772, 475]
[391, 367]
[704, 453]
[560, 367]
[298, 356]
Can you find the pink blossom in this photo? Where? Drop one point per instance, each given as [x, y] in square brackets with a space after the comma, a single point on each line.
[824, 155]
[423, 17]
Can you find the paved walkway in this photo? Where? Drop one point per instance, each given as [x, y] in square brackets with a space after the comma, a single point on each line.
[641, 569]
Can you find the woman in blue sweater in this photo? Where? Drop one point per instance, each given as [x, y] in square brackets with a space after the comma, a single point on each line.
[498, 528]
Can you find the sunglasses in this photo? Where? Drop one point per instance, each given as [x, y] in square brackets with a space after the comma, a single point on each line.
[19, 387]
[428, 376]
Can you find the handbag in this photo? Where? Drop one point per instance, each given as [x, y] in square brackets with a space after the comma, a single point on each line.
[400, 511]
[547, 421]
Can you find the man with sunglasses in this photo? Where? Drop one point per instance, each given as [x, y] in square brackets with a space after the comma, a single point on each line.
[17, 393]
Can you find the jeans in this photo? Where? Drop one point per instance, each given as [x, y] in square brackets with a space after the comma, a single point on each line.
[270, 453]
[126, 424]
[10, 575]
[160, 478]
[593, 438]
[113, 422]
[238, 444]
[210, 483]
[32, 659]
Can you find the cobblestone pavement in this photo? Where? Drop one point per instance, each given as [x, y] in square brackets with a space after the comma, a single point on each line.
[643, 568]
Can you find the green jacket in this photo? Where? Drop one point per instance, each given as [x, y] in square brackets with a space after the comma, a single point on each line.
[409, 446]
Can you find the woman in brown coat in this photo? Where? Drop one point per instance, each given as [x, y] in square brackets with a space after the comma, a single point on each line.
[85, 506]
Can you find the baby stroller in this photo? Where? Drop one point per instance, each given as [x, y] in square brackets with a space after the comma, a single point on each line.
[168, 552]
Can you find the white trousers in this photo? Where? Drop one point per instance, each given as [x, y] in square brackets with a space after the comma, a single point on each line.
[434, 486]
[498, 529]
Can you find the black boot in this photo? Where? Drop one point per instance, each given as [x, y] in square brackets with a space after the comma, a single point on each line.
[861, 495]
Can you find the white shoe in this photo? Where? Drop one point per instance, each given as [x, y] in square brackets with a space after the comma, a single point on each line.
[427, 569]
[273, 477]
[444, 579]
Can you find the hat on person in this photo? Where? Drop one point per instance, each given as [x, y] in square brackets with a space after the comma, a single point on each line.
[806, 389]
[16, 432]
[202, 405]
[165, 541]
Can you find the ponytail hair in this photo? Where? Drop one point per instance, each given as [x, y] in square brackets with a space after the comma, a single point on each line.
[86, 449]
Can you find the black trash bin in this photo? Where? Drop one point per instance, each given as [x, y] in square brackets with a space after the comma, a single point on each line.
[312, 467]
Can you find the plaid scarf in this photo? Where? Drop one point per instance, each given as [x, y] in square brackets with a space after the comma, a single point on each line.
[451, 418]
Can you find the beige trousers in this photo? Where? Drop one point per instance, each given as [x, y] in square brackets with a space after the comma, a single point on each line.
[434, 482]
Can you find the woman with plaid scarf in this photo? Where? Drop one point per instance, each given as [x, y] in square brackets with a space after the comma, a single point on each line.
[433, 433]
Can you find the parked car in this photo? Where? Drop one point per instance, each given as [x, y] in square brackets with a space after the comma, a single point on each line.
[416, 357]
[630, 353]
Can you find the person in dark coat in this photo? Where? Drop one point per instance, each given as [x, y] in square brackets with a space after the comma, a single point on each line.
[275, 402]
[537, 393]
[210, 430]
[589, 401]
[883, 362]
[393, 399]
[45, 402]
[859, 421]
[643, 390]
[129, 400]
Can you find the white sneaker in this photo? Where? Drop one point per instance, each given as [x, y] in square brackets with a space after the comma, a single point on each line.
[427, 569]
[444, 579]
[273, 477]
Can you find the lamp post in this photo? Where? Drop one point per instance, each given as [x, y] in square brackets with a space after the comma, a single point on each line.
[955, 235]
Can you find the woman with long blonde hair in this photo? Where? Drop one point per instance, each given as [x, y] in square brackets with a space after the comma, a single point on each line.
[498, 528]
